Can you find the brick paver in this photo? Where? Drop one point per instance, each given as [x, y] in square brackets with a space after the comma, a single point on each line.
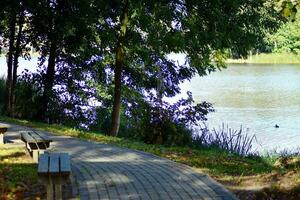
[102, 171]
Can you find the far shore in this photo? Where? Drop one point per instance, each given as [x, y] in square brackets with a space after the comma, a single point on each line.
[263, 58]
[268, 58]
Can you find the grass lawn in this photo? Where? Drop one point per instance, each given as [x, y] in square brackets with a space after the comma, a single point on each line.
[18, 175]
[249, 178]
[269, 58]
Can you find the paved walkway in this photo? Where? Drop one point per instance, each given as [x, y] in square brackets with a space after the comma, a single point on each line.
[101, 171]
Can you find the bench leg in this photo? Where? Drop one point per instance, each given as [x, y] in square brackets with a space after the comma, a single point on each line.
[1, 138]
[55, 194]
[58, 192]
[49, 191]
[54, 188]
[36, 154]
[28, 148]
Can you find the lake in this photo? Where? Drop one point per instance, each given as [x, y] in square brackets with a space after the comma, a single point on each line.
[257, 97]
[23, 64]
[254, 96]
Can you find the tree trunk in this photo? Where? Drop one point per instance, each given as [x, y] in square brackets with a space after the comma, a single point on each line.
[49, 79]
[118, 72]
[18, 51]
[12, 30]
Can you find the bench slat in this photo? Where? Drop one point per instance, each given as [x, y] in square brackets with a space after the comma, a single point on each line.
[39, 137]
[33, 137]
[43, 167]
[26, 137]
[36, 136]
[54, 163]
[65, 165]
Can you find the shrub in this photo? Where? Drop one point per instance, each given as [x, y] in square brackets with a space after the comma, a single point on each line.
[158, 122]
[28, 100]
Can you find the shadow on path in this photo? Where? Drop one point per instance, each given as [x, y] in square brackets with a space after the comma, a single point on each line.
[102, 171]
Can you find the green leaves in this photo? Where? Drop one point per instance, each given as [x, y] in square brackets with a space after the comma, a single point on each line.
[288, 8]
[287, 38]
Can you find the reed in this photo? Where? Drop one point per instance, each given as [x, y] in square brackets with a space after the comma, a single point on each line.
[226, 138]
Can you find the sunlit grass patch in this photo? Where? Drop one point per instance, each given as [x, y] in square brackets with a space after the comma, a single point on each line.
[18, 175]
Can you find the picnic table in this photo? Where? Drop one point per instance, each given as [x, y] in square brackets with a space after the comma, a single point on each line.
[35, 143]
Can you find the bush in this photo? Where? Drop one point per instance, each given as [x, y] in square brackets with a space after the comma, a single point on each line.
[28, 100]
[158, 122]
[102, 122]
[287, 37]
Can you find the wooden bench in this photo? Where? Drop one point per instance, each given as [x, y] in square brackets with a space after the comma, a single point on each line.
[3, 129]
[54, 171]
[35, 143]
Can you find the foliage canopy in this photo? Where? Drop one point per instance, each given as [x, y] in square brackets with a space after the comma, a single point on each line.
[110, 58]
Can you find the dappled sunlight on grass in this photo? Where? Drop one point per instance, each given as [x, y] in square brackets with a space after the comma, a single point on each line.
[18, 175]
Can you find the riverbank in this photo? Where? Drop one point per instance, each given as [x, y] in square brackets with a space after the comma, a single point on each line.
[268, 58]
[249, 178]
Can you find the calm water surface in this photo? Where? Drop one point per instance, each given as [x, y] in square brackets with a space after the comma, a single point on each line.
[23, 64]
[256, 97]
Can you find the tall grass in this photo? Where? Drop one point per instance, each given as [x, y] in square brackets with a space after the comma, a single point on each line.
[286, 152]
[226, 138]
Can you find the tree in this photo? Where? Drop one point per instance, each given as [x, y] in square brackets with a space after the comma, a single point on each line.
[117, 51]
[20, 45]
[2, 24]
[202, 30]
[287, 37]
[118, 68]
[59, 29]
[48, 31]
[13, 38]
